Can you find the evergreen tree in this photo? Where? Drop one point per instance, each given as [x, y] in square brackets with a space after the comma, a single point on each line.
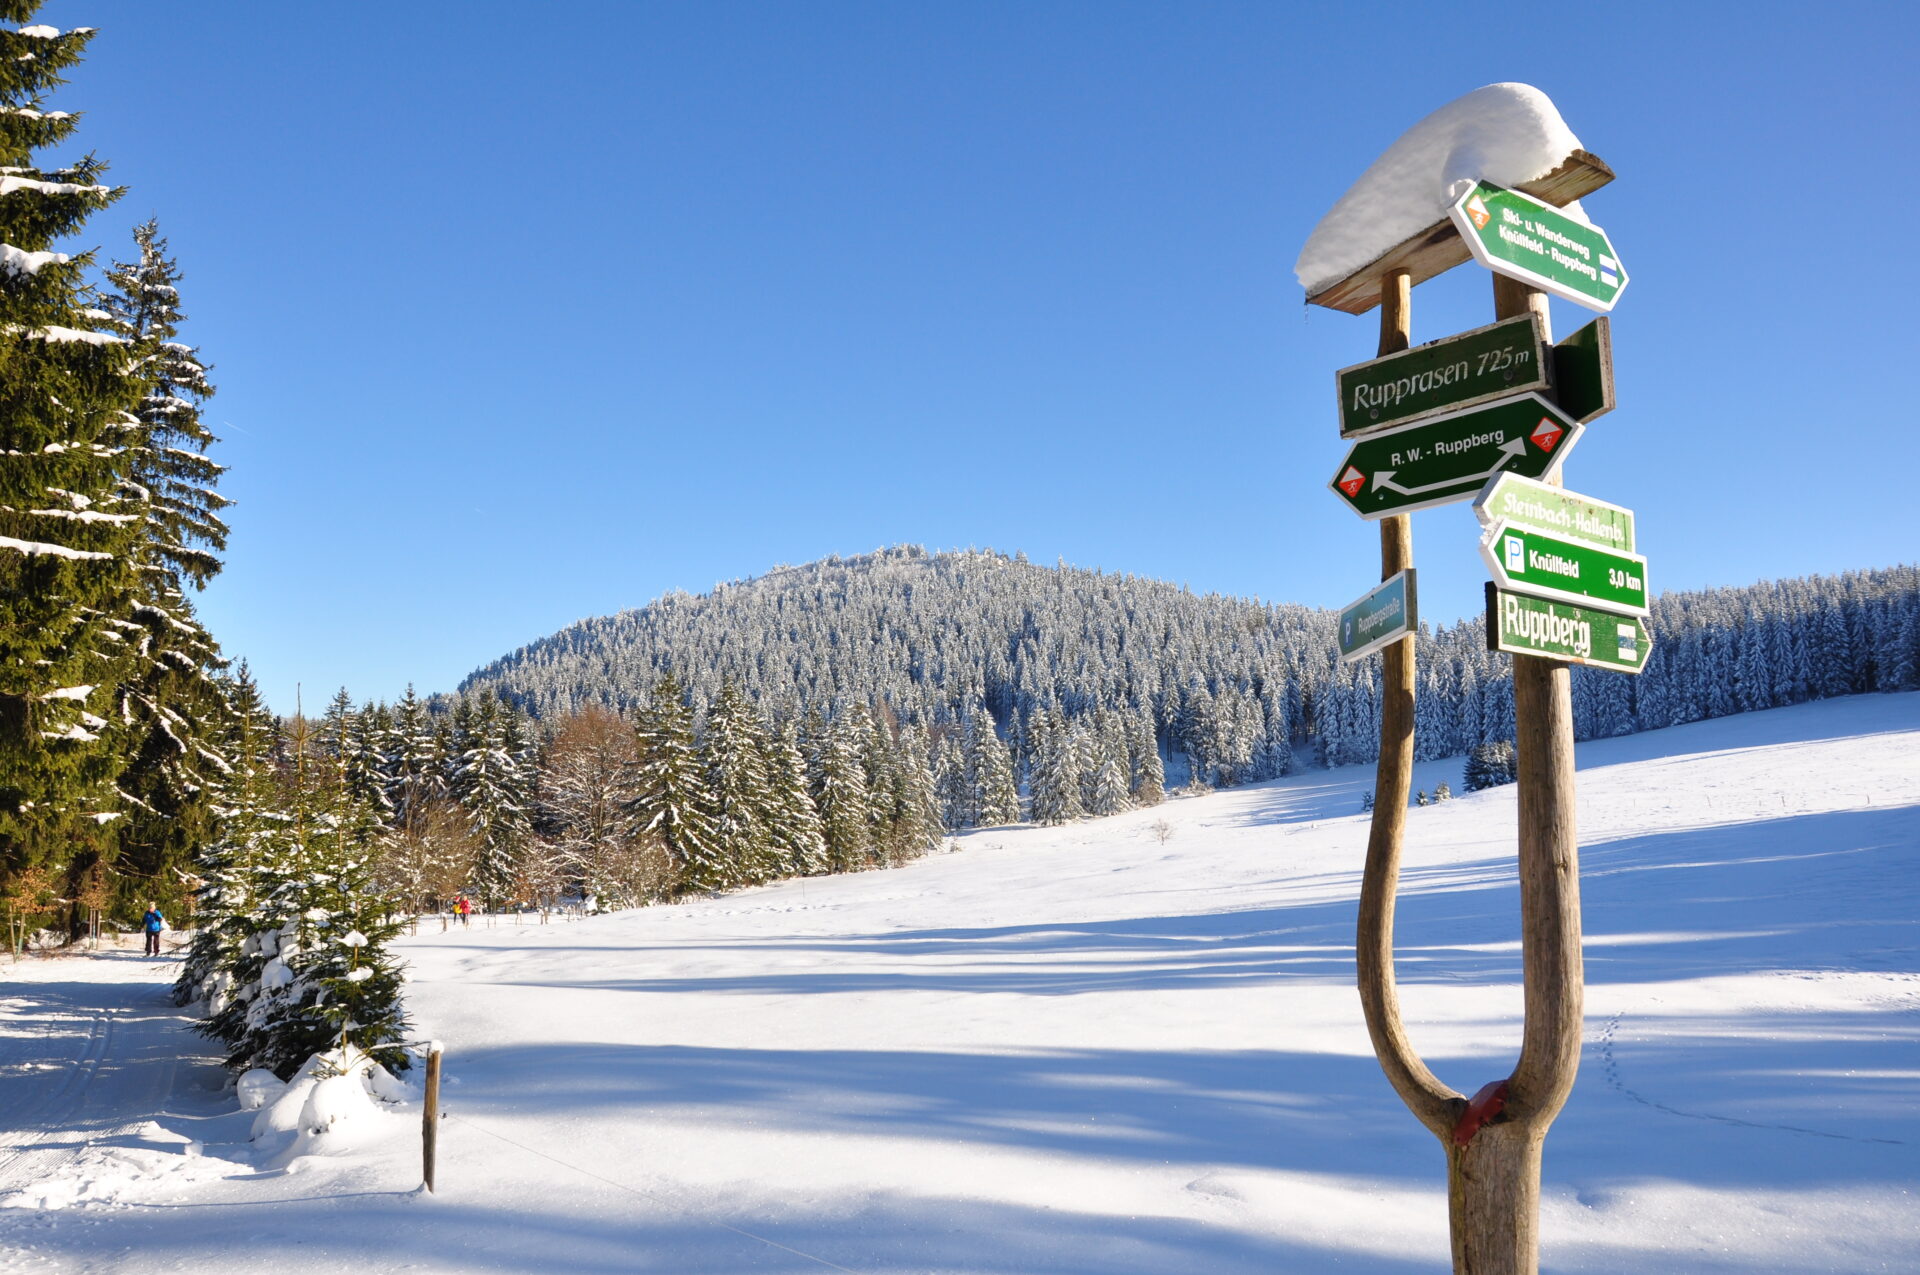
[69, 535]
[1147, 772]
[839, 790]
[487, 784]
[1055, 779]
[247, 808]
[1491, 765]
[996, 792]
[412, 762]
[742, 792]
[671, 801]
[169, 701]
[953, 785]
[917, 825]
[792, 822]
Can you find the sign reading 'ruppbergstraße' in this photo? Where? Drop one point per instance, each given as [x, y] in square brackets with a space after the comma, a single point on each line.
[1386, 614]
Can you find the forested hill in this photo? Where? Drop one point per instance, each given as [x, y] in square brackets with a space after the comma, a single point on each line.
[1238, 684]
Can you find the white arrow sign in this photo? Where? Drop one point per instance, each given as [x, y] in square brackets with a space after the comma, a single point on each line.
[1508, 451]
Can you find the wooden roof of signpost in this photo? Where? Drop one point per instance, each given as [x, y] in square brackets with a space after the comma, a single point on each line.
[1440, 248]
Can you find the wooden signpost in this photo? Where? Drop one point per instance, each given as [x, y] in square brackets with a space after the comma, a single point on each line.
[1493, 1141]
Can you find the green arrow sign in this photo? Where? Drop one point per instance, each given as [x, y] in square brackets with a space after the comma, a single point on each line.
[1583, 371]
[1549, 567]
[1518, 235]
[1522, 502]
[1449, 458]
[1385, 615]
[1557, 631]
[1497, 361]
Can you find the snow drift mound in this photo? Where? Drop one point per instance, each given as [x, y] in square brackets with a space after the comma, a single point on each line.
[1508, 134]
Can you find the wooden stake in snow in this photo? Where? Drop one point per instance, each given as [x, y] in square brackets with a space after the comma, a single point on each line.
[430, 1114]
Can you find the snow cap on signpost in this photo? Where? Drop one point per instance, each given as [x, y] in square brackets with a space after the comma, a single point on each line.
[1508, 134]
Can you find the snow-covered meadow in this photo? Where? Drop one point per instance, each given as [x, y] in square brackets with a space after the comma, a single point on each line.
[1084, 1049]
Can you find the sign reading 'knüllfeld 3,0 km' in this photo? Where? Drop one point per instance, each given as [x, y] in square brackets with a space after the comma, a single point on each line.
[1518, 235]
[1547, 566]
[1497, 361]
[1449, 458]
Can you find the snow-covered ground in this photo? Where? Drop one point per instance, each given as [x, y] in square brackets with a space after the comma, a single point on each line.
[1087, 1050]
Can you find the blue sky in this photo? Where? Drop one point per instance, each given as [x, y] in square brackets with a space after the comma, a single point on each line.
[523, 314]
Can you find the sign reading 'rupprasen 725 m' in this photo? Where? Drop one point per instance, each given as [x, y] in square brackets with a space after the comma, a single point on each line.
[1496, 361]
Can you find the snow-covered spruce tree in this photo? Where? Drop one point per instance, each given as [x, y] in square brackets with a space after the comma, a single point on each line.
[248, 816]
[838, 783]
[996, 794]
[881, 765]
[671, 801]
[415, 773]
[169, 702]
[367, 734]
[68, 541]
[1490, 765]
[1147, 773]
[487, 783]
[260, 835]
[914, 825]
[792, 822]
[742, 794]
[952, 784]
[330, 921]
[1055, 779]
[1107, 793]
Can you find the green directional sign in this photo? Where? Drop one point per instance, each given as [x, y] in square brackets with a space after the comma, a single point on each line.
[1449, 458]
[1521, 625]
[1497, 361]
[1518, 235]
[1583, 371]
[1385, 615]
[1545, 566]
[1522, 502]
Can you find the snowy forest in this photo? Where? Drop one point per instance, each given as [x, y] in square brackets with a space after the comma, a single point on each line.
[1233, 690]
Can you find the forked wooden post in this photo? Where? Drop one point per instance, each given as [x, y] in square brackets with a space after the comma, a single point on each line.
[430, 1114]
[1493, 1182]
[1494, 1144]
[1435, 1105]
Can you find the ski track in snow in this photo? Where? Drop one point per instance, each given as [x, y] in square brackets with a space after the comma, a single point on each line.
[1082, 1050]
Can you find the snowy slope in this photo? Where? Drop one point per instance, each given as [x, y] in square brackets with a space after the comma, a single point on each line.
[1084, 1050]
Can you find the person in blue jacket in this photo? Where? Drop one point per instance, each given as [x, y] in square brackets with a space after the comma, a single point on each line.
[153, 923]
